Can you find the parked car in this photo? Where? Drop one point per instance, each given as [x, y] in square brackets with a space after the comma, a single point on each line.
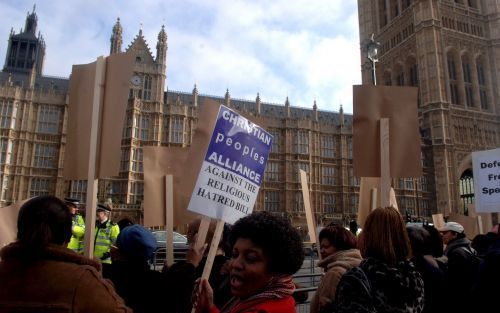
[180, 246]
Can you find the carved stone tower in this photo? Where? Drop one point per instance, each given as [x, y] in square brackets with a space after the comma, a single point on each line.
[26, 50]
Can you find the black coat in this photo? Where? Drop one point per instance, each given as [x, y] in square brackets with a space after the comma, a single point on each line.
[376, 287]
[435, 284]
[463, 266]
[487, 287]
[145, 290]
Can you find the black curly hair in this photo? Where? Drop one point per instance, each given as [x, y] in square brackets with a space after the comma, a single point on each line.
[279, 240]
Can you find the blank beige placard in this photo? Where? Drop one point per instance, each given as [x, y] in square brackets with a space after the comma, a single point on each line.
[365, 194]
[8, 222]
[438, 220]
[399, 105]
[157, 163]
[113, 106]
[183, 163]
[81, 93]
[119, 68]
[486, 220]
[469, 223]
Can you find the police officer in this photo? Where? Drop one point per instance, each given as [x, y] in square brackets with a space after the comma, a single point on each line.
[106, 233]
[77, 228]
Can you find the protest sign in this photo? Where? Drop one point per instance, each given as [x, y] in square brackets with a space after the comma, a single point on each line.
[471, 227]
[369, 198]
[8, 222]
[233, 168]
[109, 87]
[486, 169]
[438, 220]
[484, 220]
[399, 106]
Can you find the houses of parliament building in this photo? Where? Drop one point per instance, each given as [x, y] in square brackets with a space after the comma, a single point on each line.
[449, 49]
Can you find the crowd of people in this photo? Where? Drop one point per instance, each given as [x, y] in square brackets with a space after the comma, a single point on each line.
[391, 266]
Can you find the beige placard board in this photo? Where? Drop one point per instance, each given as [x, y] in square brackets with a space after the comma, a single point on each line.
[116, 84]
[399, 105]
[183, 163]
[157, 163]
[8, 222]
[485, 220]
[469, 223]
[365, 193]
[438, 220]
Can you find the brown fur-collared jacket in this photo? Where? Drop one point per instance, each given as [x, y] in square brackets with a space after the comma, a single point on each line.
[58, 281]
[335, 266]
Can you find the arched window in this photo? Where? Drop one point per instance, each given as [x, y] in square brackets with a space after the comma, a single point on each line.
[394, 8]
[400, 77]
[466, 68]
[382, 9]
[466, 187]
[387, 78]
[452, 76]
[411, 64]
[481, 79]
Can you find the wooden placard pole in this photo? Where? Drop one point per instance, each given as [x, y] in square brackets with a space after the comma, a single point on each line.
[214, 246]
[311, 225]
[202, 232]
[169, 218]
[385, 170]
[480, 224]
[91, 200]
[373, 199]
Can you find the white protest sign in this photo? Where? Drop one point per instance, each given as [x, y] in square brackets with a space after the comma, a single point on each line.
[233, 168]
[486, 168]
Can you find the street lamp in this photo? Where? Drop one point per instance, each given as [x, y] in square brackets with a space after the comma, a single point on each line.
[372, 49]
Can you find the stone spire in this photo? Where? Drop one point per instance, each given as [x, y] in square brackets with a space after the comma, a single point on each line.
[258, 104]
[287, 107]
[116, 38]
[31, 22]
[315, 111]
[341, 115]
[227, 98]
[195, 96]
[161, 46]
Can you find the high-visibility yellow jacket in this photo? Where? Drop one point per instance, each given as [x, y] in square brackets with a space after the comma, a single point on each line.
[105, 236]
[77, 233]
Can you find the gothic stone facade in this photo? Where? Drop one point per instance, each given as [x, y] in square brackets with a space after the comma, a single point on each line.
[450, 49]
[34, 108]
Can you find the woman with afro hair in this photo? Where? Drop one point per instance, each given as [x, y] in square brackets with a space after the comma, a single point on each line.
[266, 251]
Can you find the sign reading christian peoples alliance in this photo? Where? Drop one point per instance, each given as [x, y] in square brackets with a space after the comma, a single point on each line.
[233, 168]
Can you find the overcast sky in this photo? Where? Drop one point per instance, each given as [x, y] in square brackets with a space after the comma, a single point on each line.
[303, 49]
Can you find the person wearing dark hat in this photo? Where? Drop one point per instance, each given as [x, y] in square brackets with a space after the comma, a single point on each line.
[78, 226]
[146, 290]
[106, 233]
[463, 265]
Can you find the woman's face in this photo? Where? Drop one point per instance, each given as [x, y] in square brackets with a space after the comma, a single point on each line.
[326, 248]
[249, 271]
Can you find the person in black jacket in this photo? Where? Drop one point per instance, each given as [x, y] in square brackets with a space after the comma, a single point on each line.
[463, 265]
[143, 289]
[487, 286]
[434, 277]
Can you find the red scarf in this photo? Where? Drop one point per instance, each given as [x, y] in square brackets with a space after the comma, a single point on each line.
[278, 287]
